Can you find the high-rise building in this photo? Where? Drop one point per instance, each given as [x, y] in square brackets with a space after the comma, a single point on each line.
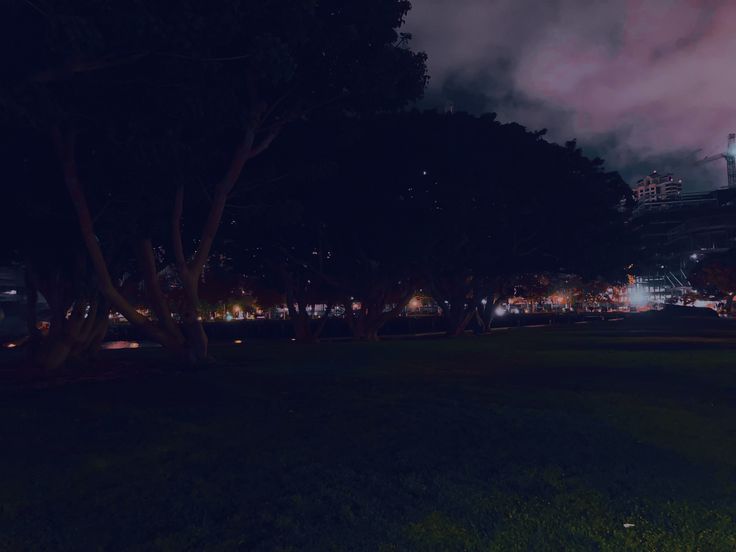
[657, 187]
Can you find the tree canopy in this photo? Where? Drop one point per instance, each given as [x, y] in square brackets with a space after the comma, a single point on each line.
[157, 108]
[375, 208]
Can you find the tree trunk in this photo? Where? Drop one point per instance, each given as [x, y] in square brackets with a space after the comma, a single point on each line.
[73, 338]
[190, 343]
[458, 321]
[366, 322]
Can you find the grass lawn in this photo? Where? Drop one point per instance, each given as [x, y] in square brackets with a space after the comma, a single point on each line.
[529, 439]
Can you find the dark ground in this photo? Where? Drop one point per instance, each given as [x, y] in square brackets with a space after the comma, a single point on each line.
[529, 439]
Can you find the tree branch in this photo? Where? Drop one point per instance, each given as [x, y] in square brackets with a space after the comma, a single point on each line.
[219, 199]
[265, 142]
[153, 287]
[65, 147]
[177, 243]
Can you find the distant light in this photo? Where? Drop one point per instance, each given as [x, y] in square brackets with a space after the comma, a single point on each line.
[694, 256]
[424, 173]
[134, 345]
[500, 311]
[10, 292]
[238, 341]
[11, 345]
[484, 301]
[229, 317]
[293, 338]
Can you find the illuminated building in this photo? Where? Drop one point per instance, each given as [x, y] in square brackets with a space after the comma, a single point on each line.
[675, 235]
[657, 187]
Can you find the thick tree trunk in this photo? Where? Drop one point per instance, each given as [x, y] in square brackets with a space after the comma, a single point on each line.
[457, 322]
[189, 342]
[72, 338]
[366, 322]
[306, 329]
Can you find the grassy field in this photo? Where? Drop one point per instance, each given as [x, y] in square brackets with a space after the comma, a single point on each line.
[530, 439]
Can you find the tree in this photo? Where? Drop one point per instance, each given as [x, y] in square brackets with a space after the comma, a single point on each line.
[44, 237]
[384, 205]
[500, 202]
[142, 100]
[344, 235]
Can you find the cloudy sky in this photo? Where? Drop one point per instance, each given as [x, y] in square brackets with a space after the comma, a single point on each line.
[646, 84]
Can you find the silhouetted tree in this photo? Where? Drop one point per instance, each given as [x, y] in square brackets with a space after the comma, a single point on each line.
[146, 101]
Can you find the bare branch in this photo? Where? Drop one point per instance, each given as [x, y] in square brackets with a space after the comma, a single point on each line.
[153, 287]
[264, 144]
[178, 244]
[219, 200]
[35, 7]
[65, 147]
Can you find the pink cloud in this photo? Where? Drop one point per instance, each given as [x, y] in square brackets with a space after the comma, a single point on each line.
[657, 74]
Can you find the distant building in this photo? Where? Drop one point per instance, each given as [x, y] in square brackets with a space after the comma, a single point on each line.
[675, 235]
[657, 187]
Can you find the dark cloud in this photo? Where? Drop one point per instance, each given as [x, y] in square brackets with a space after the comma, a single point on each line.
[646, 85]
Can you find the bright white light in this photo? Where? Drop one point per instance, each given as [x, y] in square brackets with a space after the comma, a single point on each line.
[484, 302]
[500, 311]
[238, 341]
[694, 256]
[638, 297]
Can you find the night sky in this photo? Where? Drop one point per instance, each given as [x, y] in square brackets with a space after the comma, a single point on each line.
[645, 84]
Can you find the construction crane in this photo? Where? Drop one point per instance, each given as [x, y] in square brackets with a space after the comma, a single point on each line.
[730, 156]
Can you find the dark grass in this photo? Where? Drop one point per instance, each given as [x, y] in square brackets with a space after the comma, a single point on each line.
[531, 439]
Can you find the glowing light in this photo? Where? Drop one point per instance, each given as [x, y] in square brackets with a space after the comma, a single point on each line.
[134, 345]
[500, 311]
[11, 345]
[238, 341]
[638, 297]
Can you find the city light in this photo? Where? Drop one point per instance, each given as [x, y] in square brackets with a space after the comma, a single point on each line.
[238, 342]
